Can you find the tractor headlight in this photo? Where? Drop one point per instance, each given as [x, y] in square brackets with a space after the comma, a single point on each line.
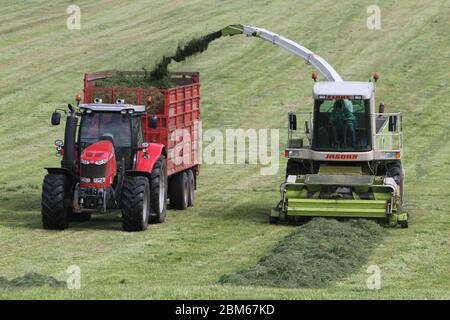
[99, 180]
[84, 161]
[85, 180]
[100, 162]
[59, 143]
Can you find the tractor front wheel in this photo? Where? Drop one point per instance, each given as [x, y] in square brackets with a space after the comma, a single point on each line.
[55, 212]
[135, 203]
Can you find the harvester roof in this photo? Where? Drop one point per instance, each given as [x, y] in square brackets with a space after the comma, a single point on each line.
[342, 88]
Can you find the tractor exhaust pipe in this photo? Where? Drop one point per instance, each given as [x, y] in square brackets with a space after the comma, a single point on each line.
[69, 142]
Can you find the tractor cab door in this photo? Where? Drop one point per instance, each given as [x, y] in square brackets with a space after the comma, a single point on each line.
[342, 125]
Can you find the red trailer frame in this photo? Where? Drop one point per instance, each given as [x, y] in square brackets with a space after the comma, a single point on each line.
[177, 109]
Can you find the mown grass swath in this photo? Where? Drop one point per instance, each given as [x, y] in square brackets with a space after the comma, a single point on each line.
[313, 256]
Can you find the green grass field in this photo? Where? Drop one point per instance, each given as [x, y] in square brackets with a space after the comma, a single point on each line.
[246, 83]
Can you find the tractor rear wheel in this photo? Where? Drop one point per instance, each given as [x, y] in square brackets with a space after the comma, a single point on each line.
[158, 191]
[55, 212]
[179, 191]
[135, 203]
[191, 182]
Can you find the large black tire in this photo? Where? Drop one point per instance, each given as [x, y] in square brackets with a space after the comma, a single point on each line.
[179, 191]
[395, 171]
[79, 216]
[55, 212]
[191, 183]
[295, 167]
[135, 203]
[158, 191]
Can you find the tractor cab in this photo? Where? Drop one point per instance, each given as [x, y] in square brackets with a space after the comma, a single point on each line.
[119, 123]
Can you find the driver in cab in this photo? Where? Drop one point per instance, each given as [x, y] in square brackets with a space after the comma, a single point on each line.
[342, 121]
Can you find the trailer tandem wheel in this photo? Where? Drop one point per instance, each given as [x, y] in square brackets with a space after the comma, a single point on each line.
[179, 191]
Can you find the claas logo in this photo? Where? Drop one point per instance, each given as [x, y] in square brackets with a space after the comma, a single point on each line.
[341, 156]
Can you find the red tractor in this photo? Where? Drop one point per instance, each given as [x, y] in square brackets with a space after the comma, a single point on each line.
[125, 155]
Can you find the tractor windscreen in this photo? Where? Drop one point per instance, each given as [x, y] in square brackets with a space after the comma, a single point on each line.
[97, 124]
[342, 125]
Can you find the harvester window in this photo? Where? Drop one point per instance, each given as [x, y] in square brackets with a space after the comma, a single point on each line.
[342, 125]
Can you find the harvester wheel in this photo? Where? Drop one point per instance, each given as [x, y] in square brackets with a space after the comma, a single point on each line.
[395, 171]
[274, 220]
[135, 203]
[55, 212]
[79, 217]
[191, 180]
[179, 191]
[296, 168]
[404, 224]
[158, 191]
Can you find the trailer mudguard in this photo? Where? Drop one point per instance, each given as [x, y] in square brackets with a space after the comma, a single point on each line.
[146, 159]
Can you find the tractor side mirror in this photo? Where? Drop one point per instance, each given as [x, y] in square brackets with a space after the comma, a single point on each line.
[152, 121]
[292, 121]
[56, 118]
[392, 123]
[381, 108]
[306, 127]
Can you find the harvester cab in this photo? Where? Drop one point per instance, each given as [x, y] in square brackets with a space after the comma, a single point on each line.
[347, 159]
[344, 157]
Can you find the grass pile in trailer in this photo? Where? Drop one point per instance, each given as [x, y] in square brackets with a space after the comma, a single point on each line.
[315, 255]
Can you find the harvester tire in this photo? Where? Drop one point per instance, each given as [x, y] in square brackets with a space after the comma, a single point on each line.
[296, 168]
[404, 224]
[55, 212]
[179, 191]
[274, 220]
[191, 180]
[79, 217]
[396, 172]
[135, 203]
[158, 191]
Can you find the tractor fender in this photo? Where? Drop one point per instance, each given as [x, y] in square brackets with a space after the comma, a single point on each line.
[68, 173]
[146, 160]
[64, 171]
